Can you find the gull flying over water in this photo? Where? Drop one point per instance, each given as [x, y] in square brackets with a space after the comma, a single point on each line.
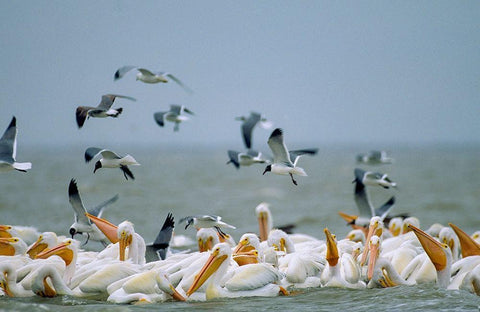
[374, 158]
[245, 159]
[158, 249]
[82, 224]
[148, 76]
[104, 109]
[282, 159]
[249, 124]
[8, 150]
[207, 221]
[111, 160]
[173, 115]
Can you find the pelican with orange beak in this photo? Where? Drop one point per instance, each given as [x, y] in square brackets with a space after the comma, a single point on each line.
[67, 250]
[11, 246]
[251, 280]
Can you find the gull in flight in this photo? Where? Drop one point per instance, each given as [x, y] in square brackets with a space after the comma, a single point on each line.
[111, 160]
[374, 158]
[174, 115]
[104, 109]
[207, 221]
[245, 159]
[148, 76]
[282, 159]
[249, 124]
[82, 224]
[8, 150]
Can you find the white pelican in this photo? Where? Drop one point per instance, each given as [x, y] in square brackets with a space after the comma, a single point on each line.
[476, 236]
[47, 282]
[147, 76]
[8, 282]
[384, 275]
[469, 246]
[345, 274]
[265, 220]
[45, 240]
[175, 115]
[8, 150]
[356, 236]
[461, 268]
[125, 235]
[410, 221]
[471, 282]
[111, 160]
[149, 286]
[207, 238]
[395, 226]
[102, 110]
[282, 159]
[435, 229]
[11, 246]
[248, 280]
[440, 255]
[448, 237]
[28, 234]
[67, 250]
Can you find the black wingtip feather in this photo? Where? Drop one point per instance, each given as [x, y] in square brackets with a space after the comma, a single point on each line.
[72, 187]
[169, 221]
[276, 132]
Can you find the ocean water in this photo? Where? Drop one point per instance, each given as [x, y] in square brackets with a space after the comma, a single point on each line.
[437, 183]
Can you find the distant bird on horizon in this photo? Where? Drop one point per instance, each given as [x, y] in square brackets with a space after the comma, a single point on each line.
[282, 159]
[111, 160]
[248, 158]
[104, 109]
[158, 249]
[8, 150]
[173, 115]
[82, 224]
[374, 158]
[207, 221]
[249, 123]
[148, 76]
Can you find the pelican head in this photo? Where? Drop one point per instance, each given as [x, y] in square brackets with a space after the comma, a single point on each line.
[65, 250]
[247, 243]
[332, 249]
[166, 286]
[125, 233]
[279, 240]
[267, 168]
[206, 238]
[5, 230]
[219, 254]
[395, 226]
[265, 222]
[10, 246]
[410, 221]
[374, 248]
[45, 240]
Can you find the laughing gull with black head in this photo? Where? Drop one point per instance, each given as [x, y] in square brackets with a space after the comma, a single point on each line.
[8, 150]
[282, 159]
[173, 115]
[82, 224]
[147, 76]
[245, 159]
[249, 124]
[104, 109]
[111, 160]
[207, 221]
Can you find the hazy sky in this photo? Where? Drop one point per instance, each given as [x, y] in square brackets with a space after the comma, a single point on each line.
[325, 71]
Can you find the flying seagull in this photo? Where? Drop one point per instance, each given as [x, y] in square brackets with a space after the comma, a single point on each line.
[104, 109]
[374, 158]
[245, 159]
[249, 124]
[282, 159]
[82, 224]
[174, 115]
[8, 150]
[207, 221]
[111, 160]
[158, 249]
[148, 76]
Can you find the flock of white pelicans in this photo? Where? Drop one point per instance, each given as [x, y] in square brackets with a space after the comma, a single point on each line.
[270, 264]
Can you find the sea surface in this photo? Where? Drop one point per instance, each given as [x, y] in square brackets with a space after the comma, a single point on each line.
[436, 183]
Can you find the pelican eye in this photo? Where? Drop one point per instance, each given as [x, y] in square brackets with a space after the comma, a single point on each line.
[15, 240]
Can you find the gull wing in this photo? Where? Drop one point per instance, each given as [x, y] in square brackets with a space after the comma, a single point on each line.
[122, 71]
[360, 196]
[179, 82]
[92, 152]
[383, 210]
[247, 128]
[295, 155]
[176, 109]
[146, 72]
[97, 211]
[159, 118]
[76, 202]
[186, 110]
[279, 150]
[8, 142]
[81, 114]
[108, 99]
[233, 155]
[165, 234]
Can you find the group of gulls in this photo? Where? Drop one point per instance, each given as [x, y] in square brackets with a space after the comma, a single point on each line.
[381, 250]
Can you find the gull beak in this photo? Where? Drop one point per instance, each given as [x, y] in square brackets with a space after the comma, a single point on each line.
[469, 246]
[263, 226]
[6, 248]
[210, 267]
[60, 250]
[433, 248]
[332, 250]
[107, 228]
[37, 247]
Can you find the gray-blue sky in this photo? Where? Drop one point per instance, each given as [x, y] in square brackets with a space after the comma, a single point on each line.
[325, 71]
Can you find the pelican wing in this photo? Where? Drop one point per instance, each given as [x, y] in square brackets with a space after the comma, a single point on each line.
[76, 202]
[8, 142]
[279, 150]
[253, 276]
[122, 71]
[180, 83]
[247, 128]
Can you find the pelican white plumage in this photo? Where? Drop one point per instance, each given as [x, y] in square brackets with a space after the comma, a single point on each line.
[67, 250]
[11, 246]
[248, 280]
[45, 240]
[8, 150]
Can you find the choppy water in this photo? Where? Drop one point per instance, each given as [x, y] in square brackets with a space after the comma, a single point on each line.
[436, 184]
